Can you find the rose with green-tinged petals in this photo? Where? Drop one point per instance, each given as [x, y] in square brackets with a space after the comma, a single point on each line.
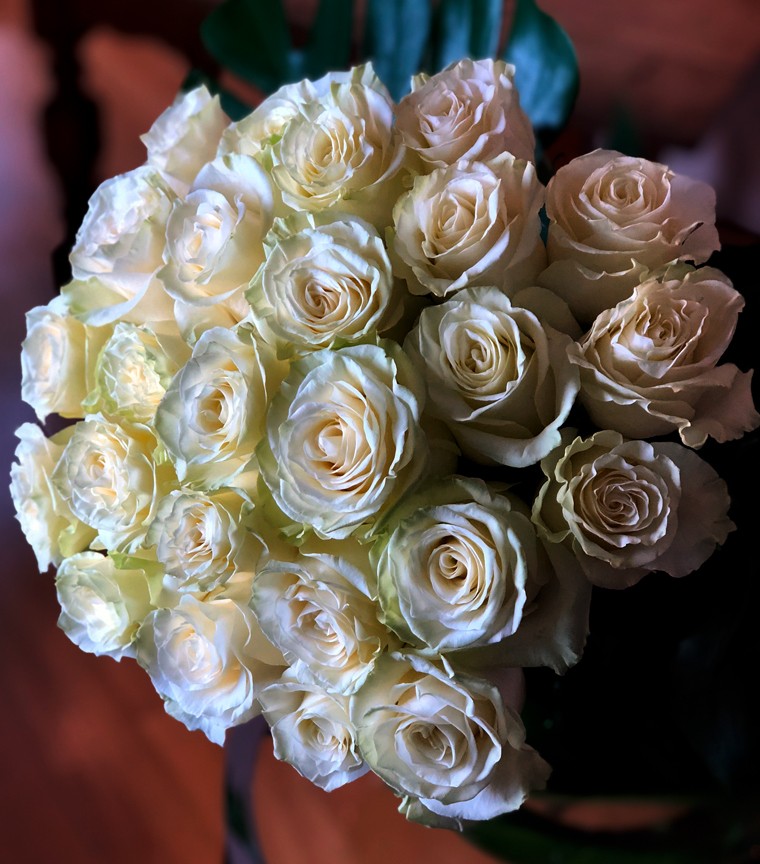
[311, 731]
[470, 224]
[650, 366]
[50, 528]
[496, 376]
[121, 239]
[201, 539]
[57, 361]
[212, 415]
[214, 235]
[343, 440]
[102, 605]
[627, 508]
[445, 742]
[133, 370]
[469, 111]
[185, 136]
[342, 151]
[318, 610]
[207, 659]
[326, 279]
[111, 476]
[612, 219]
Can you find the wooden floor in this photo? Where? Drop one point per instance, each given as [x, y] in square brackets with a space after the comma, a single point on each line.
[92, 771]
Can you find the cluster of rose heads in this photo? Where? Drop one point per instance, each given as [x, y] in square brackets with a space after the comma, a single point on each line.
[281, 336]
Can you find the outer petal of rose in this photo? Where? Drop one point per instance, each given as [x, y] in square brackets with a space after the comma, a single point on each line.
[724, 414]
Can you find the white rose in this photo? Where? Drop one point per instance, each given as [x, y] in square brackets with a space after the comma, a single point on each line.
[650, 365]
[201, 540]
[627, 508]
[444, 742]
[133, 370]
[501, 381]
[311, 731]
[326, 278]
[469, 111]
[470, 224]
[121, 239]
[185, 136]
[214, 235]
[50, 528]
[343, 439]
[615, 217]
[340, 150]
[102, 606]
[207, 662]
[318, 610]
[57, 361]
[213, 413]
[109, 477]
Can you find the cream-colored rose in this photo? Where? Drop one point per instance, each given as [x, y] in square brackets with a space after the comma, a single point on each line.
[57, 361]
[50, 528]
[326, 278]
[133, 370]
[102, 605]
[343, 439]
[444, 742]
[214, 235]
[109, 477]
[469, 111]
[650, 365]
[627, 508]
[121, 239]
[201, 540]
[470, 224]
[311, 730]
[501, 381]
[207, 660]
[613, 218]
[185, 137]
[318, 610]
[341, 150]
[213, 413]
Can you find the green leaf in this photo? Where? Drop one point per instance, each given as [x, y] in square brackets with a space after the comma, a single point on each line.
[546, 67]
[251, 39]
[329, 47]
[465, 28]
[396, 36]
[233, 107]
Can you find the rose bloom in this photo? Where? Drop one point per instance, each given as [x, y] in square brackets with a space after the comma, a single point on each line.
[469, 111]
[311, 730]
[212, 415]
[50, 528]
[185, 137]
[650, 365]
[214, 240]
[318, 610]
[343, 440]
[102, 606]
[501, 381]
[615, 217]
[109, 478]
[326, 278]
[444, 742]
[208, 660]
[58, 361]
[341, 150]
[470, 224]
[630, 507]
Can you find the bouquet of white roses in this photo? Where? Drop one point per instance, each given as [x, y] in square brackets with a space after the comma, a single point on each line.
[315, 360]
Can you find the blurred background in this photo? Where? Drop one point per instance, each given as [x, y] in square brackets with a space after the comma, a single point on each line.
[92, 768]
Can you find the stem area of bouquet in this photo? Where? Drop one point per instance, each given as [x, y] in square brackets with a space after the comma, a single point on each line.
[375, 410]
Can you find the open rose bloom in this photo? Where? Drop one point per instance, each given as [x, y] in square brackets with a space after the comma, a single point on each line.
[314, 363]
